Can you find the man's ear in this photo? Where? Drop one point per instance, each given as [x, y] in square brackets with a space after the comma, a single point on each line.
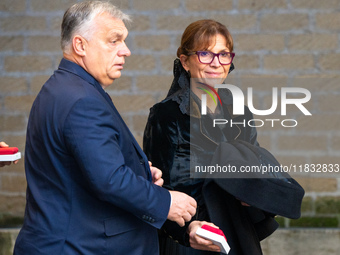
[184, 59]
[79, 45]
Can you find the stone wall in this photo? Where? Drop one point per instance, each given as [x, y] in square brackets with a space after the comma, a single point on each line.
[278, 43]
[299, 241]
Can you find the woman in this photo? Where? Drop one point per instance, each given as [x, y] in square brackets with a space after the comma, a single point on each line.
[178, 135]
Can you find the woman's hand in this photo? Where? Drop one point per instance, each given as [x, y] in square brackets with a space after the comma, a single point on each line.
[198, 242]
[156, 175]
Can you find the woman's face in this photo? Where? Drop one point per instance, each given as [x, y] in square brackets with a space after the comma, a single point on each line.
[214, 70]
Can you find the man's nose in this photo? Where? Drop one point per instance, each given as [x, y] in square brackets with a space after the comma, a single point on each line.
[124, 51]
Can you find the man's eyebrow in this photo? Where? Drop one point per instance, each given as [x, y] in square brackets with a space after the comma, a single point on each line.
[116, 35]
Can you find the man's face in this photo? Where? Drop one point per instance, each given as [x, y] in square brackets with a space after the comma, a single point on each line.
[106, 49]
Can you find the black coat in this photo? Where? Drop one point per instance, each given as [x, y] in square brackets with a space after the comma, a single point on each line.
[176, 135]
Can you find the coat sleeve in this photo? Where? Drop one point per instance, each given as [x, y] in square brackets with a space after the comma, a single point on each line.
[160, 141]
[91, 135]
[159, 144]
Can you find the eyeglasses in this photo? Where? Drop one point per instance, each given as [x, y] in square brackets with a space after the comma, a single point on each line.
[207, 57]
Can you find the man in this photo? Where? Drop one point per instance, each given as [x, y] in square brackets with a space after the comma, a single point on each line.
[89, 185]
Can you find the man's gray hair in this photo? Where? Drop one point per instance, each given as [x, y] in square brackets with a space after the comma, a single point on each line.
[78, 20]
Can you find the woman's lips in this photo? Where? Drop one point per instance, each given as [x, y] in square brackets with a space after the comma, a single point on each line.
[214, 74]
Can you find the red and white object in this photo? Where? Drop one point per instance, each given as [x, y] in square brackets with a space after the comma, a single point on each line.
[9, 154]
[215, 235]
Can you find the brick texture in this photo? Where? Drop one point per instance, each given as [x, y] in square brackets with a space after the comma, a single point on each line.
[237, 22]
[12, 43]
[135, 102]
[140, 23]
[329, 21]
[284, 22]
[155, 5]
[310, 42]
[22, 23]
[124, 83]
[13, 6]
[140, 63]
[44, 43]
[247, 62]
[263, 82]
[278, 43]
[12, 123]
[37, 82]
[307, 203]
[201, 5]
[139, 122]
[324, 122]
[154, 83]
[152, 42]
[19, 103]
[318, 185]
[167, 62]
[246, 42]
[175, 22]
[261, 4]
[328, 103]
[315, 4]
[27, 63]
[336, 143]
[317, 82]
[40, 5]
[9, 85]
[14, 204]
[291, 61]
[13, 183]
[326, 205]
[55, 24]
[329, 61]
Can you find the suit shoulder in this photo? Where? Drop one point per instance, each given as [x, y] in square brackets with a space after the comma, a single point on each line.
[67, 86]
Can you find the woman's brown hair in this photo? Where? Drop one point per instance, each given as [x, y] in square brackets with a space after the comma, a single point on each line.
[199, 35]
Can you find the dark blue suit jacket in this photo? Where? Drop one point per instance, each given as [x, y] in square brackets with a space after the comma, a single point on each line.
[89, 183]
